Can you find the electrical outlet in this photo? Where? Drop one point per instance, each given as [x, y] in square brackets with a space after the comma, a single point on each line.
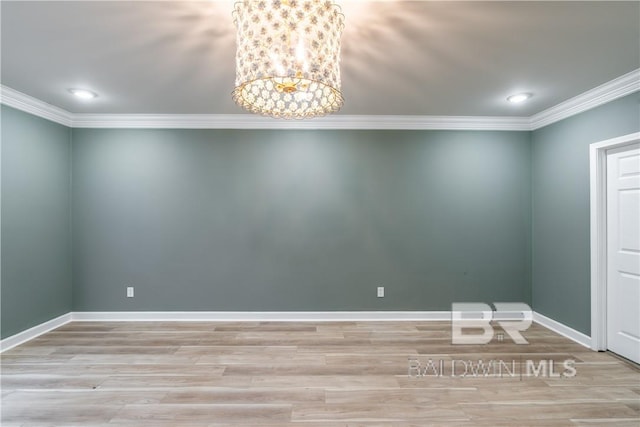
[380, 291]
[129, 291]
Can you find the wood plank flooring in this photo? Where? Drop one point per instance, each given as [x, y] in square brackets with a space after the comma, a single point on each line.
[322, 374]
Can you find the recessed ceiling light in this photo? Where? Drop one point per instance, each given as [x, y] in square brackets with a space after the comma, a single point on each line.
[83, 93]
[518, 98]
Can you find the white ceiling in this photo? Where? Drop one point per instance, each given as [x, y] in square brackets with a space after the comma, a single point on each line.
[398, 58]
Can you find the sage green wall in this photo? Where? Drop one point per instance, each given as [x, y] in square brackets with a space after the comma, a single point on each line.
[36, 232]
[561, 248]
[299, 220]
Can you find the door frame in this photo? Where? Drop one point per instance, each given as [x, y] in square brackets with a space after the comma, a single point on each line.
[598, 227]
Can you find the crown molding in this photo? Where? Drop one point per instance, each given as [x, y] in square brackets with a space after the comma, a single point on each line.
[246, 121]
[607, 92]
[616, 88]
[29, 104]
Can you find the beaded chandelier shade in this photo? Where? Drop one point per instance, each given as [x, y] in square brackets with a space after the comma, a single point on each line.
[288, 57]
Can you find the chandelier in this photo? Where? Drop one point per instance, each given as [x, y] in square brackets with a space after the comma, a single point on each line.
[288, 57]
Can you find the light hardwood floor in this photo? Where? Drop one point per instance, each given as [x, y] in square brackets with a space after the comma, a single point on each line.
[304, 374]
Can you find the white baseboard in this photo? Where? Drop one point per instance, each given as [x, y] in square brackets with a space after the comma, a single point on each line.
[562, 329]
[274, 316]
[279, 316]
[34, 332]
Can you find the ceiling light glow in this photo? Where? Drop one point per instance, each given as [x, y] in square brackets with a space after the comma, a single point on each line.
[519, 98]
[83, 93]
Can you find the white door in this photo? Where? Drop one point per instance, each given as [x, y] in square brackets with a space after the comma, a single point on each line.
[623, 251]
